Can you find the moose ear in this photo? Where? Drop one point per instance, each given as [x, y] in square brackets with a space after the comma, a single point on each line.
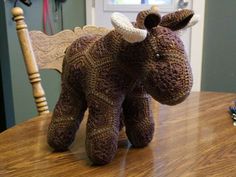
[180, 19]
[148, 19]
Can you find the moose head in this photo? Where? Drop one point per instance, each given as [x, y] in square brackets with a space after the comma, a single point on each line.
[156, 53]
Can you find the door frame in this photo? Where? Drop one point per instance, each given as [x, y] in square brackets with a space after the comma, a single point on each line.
[196, 42]
[196, 38]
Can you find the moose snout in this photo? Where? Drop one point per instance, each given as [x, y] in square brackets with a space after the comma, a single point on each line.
[173, 100]
[169, 98]
[169, 88]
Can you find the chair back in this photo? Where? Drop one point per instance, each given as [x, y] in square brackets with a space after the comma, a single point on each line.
[41, 51]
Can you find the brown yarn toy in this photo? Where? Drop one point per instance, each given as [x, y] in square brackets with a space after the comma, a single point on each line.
[113, 75]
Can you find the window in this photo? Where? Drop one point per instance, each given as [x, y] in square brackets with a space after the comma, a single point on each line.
[138, 2]
[137, 5]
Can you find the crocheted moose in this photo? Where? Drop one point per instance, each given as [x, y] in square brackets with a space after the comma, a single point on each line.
[113, 76]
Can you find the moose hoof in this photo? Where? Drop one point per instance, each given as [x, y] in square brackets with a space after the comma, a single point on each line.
[140, 136]
[60, 138]
[102, 148]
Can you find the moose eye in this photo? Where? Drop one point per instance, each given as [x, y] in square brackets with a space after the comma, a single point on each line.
[158, 56]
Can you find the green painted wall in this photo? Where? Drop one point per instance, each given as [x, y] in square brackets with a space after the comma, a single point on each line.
[23, 106]
[5, 71]
[219, 54]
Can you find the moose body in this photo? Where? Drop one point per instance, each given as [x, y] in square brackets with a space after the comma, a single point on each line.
[113, 76]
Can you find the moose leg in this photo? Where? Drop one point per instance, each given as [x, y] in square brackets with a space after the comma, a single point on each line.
[102, 130]
[67, 115]
[138, 118]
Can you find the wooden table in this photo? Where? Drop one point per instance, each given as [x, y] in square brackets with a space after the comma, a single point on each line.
[195, 138]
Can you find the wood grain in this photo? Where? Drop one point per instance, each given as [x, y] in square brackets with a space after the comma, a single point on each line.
[30, 61]
[193, 139]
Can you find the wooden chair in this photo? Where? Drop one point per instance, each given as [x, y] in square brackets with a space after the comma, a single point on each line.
[41, 51]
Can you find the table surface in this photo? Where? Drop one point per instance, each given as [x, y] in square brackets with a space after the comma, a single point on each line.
[194, 138]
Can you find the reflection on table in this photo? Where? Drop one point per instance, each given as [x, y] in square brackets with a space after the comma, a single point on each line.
[194, 138]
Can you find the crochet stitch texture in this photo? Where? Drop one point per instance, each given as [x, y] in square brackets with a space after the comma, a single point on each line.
[114, 77]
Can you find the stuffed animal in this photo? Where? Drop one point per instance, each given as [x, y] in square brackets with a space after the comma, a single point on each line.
[113, 76]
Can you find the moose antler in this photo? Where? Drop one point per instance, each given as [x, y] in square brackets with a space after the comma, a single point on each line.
[123, 26]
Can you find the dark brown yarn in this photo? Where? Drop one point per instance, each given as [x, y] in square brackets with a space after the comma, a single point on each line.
[113, 79]
[147, 19]
[177, 20]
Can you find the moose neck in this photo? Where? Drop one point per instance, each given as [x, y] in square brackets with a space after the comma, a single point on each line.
[116, 45]
[131, 56]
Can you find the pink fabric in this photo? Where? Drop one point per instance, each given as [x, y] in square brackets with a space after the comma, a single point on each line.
[46, 17]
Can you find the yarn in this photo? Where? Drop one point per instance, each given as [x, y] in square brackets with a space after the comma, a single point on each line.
[112, 76]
